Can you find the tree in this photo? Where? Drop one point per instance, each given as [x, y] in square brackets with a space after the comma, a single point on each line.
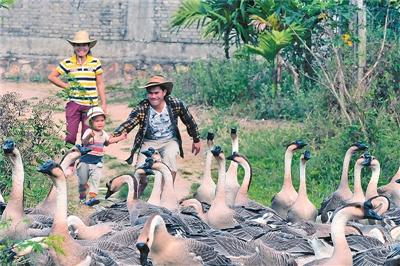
[226, 20]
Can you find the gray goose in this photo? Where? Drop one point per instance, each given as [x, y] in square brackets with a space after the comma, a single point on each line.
[343, 192]
[206, 191]
[302, 209]
[231, 183]
[282, 201]
[342, 254]
[166, 249]
[106, 252]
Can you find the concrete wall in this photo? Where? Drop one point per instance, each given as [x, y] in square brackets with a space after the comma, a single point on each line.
[133, 37]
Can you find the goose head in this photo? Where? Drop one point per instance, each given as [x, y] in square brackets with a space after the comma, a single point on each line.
[210, 136]
[75, 152]
[397, 181]
[146, 237]
[366, 159]
[359, 146]
[116, 183]
[48, 167]
[216, 151]
[8, 146]
[233, 156]
[233, 131]
[297, 144]
[306, 156]
[148, 163]
[374, 164]
[369, 212]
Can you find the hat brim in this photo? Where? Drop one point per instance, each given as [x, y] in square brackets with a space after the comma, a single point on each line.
[91, 43]
[168, 85]
[94, 115]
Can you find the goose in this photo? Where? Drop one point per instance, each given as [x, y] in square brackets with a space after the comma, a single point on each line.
[155, 196]
[166, 249]
[47, 206]
[342, 254]
[231, 183]
[220, 216]
[302, 209]
[343, 192]
[282, 201]
[106, 252]
[206, 191]
[14, 211]
[2, 204]
[392, 189]
[82, 231]
[358, 195]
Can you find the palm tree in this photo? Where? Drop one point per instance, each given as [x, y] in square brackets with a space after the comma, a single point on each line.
[220, 19]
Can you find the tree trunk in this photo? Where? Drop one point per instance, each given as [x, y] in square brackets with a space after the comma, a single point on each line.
[226, 44]
[362, 46]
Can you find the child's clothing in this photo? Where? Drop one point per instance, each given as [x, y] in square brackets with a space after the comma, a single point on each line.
[89, 168]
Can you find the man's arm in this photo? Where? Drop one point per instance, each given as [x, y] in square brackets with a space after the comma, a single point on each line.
[191, 126]
[135, 117]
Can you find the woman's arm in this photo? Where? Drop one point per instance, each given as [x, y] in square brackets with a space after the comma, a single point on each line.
[102, 92]
[54, 78]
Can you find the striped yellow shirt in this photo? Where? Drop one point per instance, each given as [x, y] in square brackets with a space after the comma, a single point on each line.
[85, 74]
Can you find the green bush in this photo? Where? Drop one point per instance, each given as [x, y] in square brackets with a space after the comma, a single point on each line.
[36, 135]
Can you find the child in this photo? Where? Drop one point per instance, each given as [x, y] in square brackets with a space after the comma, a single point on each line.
[89, 167]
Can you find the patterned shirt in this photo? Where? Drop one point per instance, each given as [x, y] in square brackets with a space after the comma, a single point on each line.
[96, 145]
[85, 74]
[160, 126]
[140, 116]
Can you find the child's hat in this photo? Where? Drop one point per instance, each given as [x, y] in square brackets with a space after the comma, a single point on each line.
[95, 111]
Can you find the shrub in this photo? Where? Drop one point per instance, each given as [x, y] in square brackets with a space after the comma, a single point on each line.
[36, 135]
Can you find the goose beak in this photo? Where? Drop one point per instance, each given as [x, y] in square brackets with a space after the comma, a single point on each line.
[8, 146]
[367, 159]
[397, 181]
[232, 156]
[307, 155]
[210, 136]
[2, 207]
[47, 167]
[144, 252]
[109, 193]
[83, 150]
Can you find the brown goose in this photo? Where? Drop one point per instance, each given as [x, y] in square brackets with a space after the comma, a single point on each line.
[282, 201]
[47, 206]
[392, 189]
[106, 252]
[343, 192]
[14, 212]
[302, 209]
[231, 183]
[166, 249]
[206, 191]
[342, 254]
[219, 215]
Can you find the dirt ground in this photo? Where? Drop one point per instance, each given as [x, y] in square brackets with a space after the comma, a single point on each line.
[191, 167]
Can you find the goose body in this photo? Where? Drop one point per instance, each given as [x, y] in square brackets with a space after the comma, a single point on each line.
[302, 209]
[284, 199]
[168, 250]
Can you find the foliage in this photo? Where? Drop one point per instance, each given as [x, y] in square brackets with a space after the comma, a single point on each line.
[227, 20]
[6, 3]
[32, 128]
[74, 89]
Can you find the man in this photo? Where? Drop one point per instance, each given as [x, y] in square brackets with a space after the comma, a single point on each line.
[84, 84]
[157, 117]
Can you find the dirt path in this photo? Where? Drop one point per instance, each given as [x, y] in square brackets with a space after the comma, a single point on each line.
[190, 167]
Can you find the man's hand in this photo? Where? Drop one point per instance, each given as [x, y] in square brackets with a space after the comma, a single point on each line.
[196, 147]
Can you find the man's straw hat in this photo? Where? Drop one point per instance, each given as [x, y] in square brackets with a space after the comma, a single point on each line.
[159, 81]
[82, 37]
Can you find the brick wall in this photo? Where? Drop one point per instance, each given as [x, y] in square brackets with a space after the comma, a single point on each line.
[131, 34]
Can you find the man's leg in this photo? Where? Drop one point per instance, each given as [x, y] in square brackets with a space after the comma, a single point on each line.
[73, 118]
[168, 152]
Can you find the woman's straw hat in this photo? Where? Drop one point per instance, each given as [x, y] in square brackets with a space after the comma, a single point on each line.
[82, 37]
[159, 81]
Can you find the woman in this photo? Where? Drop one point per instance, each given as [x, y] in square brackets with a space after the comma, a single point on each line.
[84, 83]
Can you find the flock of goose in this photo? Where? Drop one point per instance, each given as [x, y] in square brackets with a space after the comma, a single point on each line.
[219, 226]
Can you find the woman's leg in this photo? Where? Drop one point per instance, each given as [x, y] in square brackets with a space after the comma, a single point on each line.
[73, 117]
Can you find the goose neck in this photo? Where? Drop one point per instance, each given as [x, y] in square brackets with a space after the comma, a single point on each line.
[344, 179]
[207, 179]
[372, 189]
[248, 175]
[287, 181]
[358, 191]
[220, 193]
[341, 247]
[16, 202]
[303, 186]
